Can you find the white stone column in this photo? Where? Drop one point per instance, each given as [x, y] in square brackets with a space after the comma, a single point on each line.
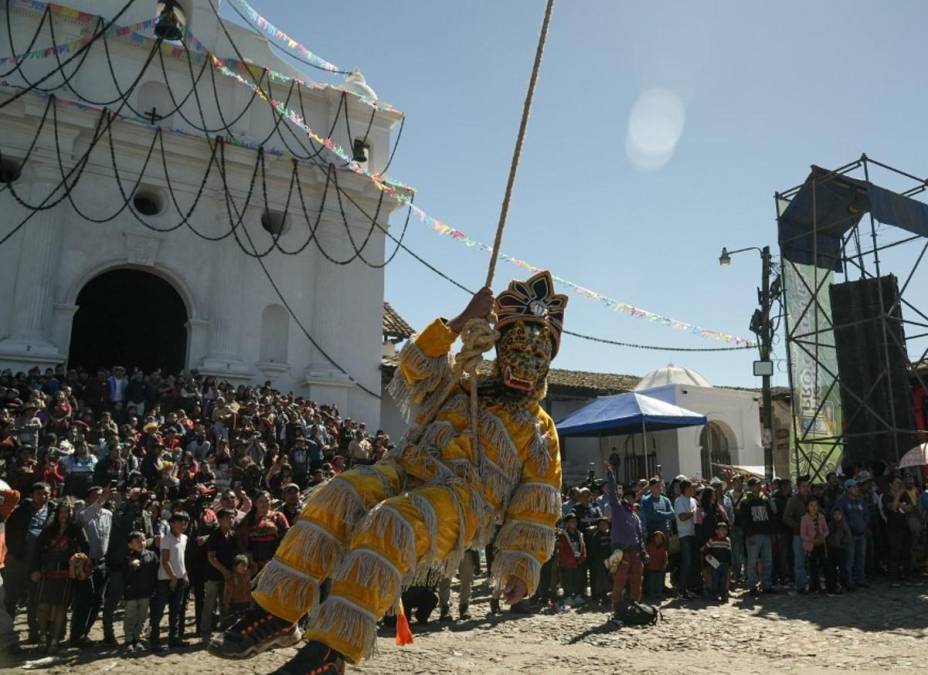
[197, 341]
[32, 297]
[329, 299]
[62, 322]
[225, 315]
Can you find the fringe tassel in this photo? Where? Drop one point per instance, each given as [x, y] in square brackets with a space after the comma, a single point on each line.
[426, 574]
[437, 435]
[459, 404]
[366, 568]
[289, 585]
[540, 450]
[453, 560]
[536, 498]
[499, 483]
[348, 623]
[430, 518]
[497, 436]
[517, 564]
[433, 372]
[520, 535]
[388, 489]
[486, 514]
[308, 540]
[340, 497]
[395, 531]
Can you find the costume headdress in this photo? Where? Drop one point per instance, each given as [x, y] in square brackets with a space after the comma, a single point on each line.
[533, 301]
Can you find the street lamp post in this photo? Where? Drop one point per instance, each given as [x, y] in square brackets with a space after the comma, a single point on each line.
[761, 326]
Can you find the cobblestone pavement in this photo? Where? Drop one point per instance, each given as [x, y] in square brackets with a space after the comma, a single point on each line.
[881, 629]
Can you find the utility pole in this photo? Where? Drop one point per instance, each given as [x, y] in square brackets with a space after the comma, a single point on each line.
[766, 347]
[761, 326]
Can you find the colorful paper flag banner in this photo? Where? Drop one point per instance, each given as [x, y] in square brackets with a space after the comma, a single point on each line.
[399, 191]
[281, 38]
[195, 48]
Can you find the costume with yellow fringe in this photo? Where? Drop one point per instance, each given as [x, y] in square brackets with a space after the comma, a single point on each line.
[375, 529]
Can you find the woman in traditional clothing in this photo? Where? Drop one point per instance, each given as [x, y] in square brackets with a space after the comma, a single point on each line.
[58, 542]
[261, 531]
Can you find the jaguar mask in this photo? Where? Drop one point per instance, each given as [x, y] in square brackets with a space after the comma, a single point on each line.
[523, 355]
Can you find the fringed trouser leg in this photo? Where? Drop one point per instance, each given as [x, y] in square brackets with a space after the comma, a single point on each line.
[427, 525]
[288, 586]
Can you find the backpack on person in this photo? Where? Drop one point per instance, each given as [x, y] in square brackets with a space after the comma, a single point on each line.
[638, 614]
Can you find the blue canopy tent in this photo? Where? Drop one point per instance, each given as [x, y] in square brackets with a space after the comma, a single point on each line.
[629, 413]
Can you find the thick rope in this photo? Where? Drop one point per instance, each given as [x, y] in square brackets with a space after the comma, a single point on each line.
[479, 335]
[520, 138]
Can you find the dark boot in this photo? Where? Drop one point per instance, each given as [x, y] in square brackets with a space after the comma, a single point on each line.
[255, 632]
[154, 644]
[315, 658]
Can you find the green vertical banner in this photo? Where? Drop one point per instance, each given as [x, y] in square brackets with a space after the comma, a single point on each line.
[817, 430]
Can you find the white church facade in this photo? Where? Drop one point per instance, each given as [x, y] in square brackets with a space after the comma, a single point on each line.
[174, 280]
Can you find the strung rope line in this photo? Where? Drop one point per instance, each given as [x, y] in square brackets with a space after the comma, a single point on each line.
[520, 139]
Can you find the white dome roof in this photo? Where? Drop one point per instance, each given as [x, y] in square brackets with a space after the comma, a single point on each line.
[355, 83]
[671, 374]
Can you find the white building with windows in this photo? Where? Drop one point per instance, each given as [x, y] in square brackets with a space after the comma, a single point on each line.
[165, 281]
[732, 436]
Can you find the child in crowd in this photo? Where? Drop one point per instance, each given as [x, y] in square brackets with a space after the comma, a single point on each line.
[236, 594]
[600, 548]
[718, 556]
[172, 583]
[140, 577]
[571, 554]
[837, 542]
[814, 533]
[655, 570]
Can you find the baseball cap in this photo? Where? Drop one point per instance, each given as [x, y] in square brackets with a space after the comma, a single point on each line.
[849, 483]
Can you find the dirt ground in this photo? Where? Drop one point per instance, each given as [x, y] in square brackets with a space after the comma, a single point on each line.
[881, 629]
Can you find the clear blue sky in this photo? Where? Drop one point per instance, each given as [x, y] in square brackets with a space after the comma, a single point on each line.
[767, 89]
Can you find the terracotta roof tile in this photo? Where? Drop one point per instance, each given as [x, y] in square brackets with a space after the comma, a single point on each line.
[585, 381]
[394, 326]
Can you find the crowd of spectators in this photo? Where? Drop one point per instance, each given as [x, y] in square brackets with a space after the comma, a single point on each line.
[707, 536]
[143, 496]
[144, 491]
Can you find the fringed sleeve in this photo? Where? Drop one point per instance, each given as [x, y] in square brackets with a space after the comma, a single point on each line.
[526, 539]
[424, 368]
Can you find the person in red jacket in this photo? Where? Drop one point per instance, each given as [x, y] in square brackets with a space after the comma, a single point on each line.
[9, 498]
[571, 554]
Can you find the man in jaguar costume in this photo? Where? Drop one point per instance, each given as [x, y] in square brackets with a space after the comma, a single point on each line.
[374, 529]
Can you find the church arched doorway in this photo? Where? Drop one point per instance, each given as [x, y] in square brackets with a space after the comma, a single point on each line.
[716, 441]
[131, 318]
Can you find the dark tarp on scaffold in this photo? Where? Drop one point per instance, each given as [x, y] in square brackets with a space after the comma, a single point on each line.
[828, 205]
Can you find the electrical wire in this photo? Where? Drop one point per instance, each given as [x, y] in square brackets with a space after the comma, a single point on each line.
[236, 214]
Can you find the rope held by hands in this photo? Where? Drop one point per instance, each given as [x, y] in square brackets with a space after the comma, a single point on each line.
[479, 335]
